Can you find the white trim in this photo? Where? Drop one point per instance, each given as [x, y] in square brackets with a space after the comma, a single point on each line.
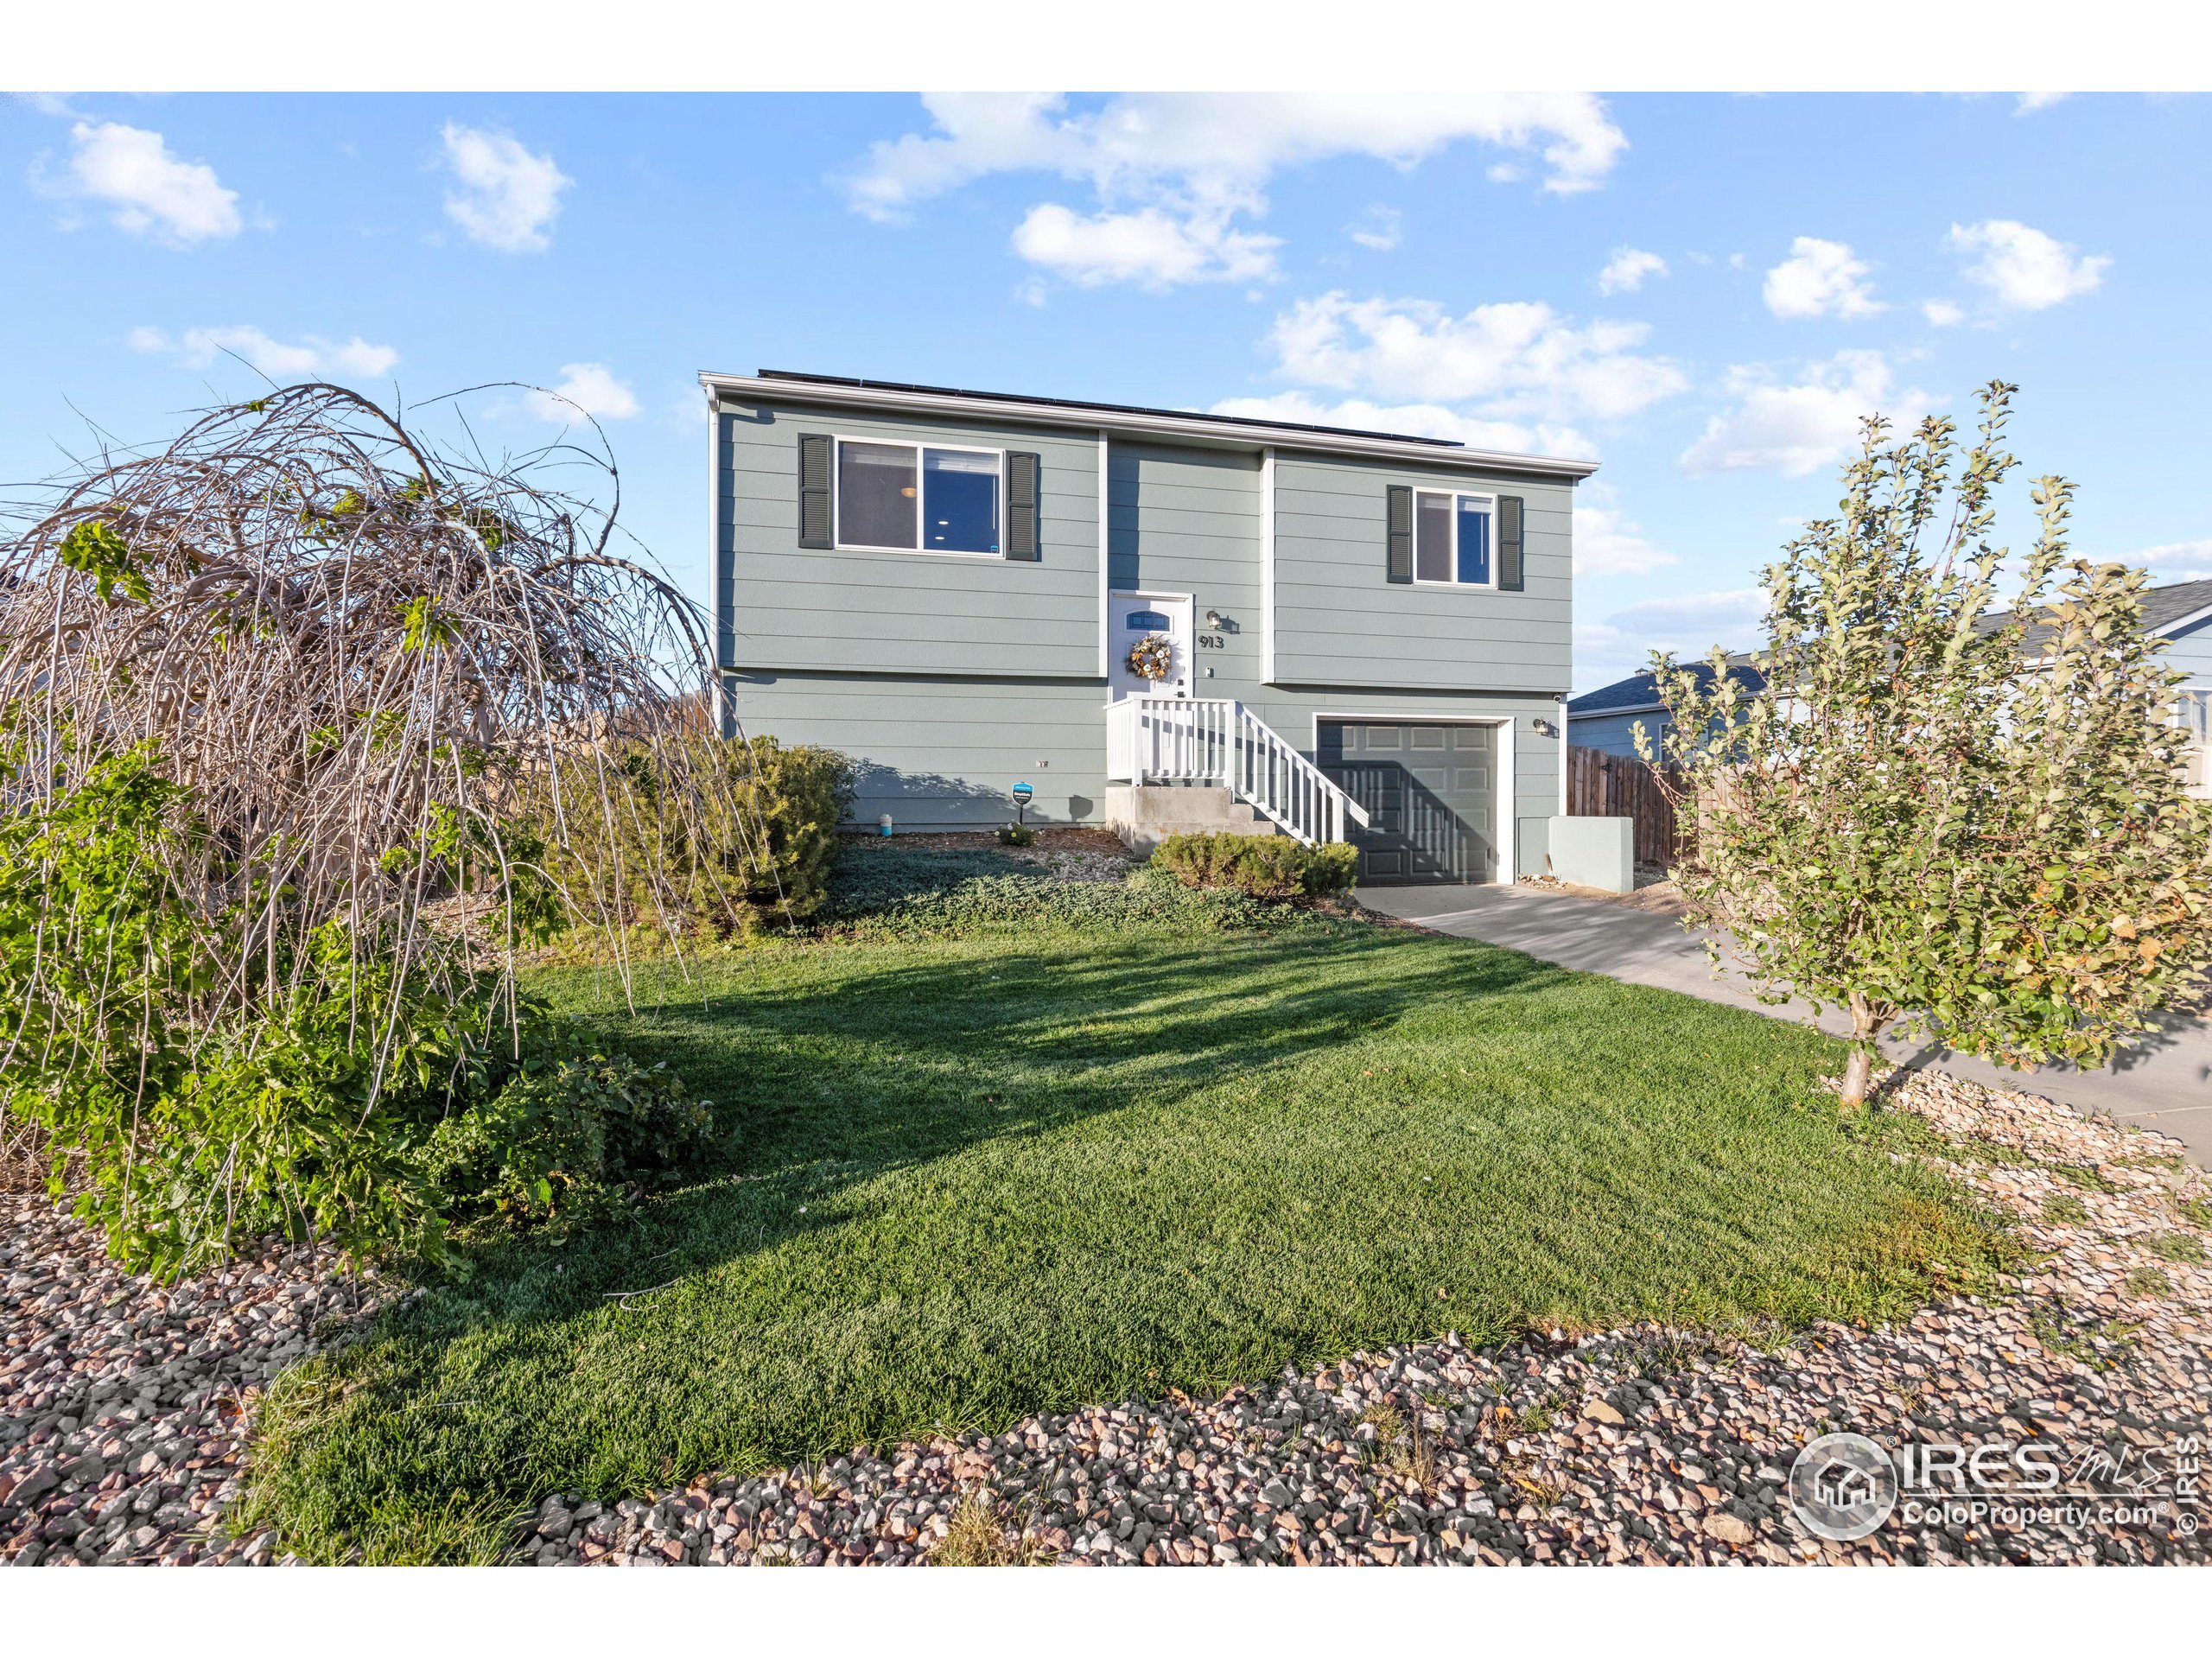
[1507, 813]
[1456, 497]
[1566, 747]
[1267, 566]
[1105, 557]
[2190, 620]
[1090, 417]
[838, 544]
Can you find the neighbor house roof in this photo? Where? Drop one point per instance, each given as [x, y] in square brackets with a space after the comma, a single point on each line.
[1639, 693]
[2165, 609]
[788, 386]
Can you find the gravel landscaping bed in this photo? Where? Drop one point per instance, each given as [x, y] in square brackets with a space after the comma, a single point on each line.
[127, 1403]
[1645, 1445]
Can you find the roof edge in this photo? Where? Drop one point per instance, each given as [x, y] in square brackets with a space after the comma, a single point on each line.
[1105, 418]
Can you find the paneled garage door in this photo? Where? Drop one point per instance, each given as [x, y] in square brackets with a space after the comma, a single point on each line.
[1430, 791]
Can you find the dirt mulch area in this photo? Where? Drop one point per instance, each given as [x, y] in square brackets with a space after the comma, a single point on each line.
[1065, 840]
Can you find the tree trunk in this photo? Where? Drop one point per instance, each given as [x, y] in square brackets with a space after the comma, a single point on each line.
[1866, 1025]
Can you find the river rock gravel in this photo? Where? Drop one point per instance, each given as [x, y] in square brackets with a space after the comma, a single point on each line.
[125, 1404]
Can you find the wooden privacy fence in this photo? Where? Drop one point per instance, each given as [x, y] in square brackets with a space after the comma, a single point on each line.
[1602, 785]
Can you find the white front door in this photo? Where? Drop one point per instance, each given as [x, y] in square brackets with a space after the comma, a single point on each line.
[1133, 619]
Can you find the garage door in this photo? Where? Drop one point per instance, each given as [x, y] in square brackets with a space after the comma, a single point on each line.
[1429, 790]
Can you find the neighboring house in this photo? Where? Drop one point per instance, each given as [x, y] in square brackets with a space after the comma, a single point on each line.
[2179, 613]
[1356, 633]
[1607, 718]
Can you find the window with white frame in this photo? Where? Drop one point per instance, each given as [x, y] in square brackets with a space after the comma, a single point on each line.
[910, 498]
[1453, 544]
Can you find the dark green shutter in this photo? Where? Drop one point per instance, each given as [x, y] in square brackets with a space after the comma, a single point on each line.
[1023, 473]
[816, 459]
[1400, 567]
[1508, 544]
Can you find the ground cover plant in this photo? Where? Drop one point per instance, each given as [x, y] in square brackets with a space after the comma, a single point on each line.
[1004, 1167]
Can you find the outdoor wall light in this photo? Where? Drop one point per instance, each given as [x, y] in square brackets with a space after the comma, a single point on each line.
[1544, 729]
[1213, 620]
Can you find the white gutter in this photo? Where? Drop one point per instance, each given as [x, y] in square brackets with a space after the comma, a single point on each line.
[1625, 708]
[748, 388]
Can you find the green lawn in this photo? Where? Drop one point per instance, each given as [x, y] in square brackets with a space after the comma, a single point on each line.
[979, 1178]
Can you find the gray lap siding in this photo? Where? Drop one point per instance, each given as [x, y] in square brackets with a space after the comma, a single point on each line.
[949, 679]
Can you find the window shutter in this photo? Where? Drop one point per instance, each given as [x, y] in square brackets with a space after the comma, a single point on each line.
[818, 456]
[1508, 544]
[1400, 568]
[1023, 472]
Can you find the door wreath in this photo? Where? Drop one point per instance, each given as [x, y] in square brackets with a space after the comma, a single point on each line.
[1152, 658]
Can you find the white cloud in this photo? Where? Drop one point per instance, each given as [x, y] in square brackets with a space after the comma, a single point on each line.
[1380, 228]
[309, 358]
[2029, 103]
[585, 389]
[1820, 279]
[146, 189]
[1942, 313]
[1205, 158]
[2174, 561]
[1152, 249]
[1517, 360]
[1625, 271]
[1801, 427]
[2023, 269]
[1224, 144]
[507, 197]
[1607, 542]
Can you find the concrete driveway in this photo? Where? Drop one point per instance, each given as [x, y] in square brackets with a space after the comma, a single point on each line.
[2164, 1082]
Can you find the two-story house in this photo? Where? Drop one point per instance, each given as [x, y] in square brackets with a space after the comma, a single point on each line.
[1343, 634]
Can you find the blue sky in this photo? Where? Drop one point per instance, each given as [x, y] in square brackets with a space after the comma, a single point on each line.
[1703, 291]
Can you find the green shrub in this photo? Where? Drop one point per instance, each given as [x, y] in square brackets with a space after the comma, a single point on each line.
[296, 1093]
[1266, 866]
[704, 856]
[1016, 835]
[566, 1135]
[895, 894]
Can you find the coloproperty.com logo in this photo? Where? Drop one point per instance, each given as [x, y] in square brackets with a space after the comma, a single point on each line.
[1844, 1486]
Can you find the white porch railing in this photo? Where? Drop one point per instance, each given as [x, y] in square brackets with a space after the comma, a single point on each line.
[1218, 742]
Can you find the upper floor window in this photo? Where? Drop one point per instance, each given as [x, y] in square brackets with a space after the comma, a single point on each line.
[918, 498]
[1452, 539]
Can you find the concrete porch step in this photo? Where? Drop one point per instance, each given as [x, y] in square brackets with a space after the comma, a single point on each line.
[1145, 815]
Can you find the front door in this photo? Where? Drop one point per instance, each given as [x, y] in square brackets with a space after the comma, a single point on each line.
[1134, 620]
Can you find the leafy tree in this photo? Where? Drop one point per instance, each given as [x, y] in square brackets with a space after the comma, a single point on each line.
[1950, 821]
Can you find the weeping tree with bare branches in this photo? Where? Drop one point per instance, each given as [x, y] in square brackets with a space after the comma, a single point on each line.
[1948, 818]
[308, 727]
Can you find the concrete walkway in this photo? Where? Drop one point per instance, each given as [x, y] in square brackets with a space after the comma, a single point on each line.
[2164, 1083]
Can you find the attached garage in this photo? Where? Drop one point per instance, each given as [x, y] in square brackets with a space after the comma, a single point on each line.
[1430, 790]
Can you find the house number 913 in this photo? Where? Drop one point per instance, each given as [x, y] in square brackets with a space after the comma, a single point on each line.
[1210, 642]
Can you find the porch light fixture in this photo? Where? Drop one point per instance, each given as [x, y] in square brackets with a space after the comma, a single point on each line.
[1213, 620]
